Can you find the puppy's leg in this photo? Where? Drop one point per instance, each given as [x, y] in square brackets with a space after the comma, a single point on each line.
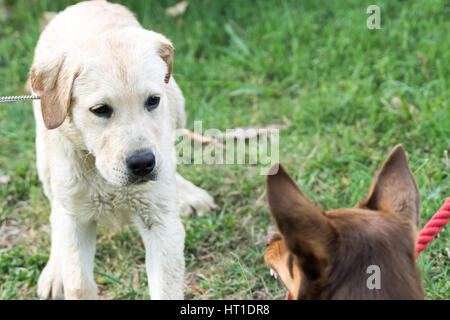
[71, 264]
[164, 244]
[192, 198]
[50, 283]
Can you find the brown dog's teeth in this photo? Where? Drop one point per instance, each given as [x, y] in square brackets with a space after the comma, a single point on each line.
[273, 273]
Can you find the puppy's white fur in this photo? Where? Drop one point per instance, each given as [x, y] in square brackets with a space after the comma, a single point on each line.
[110, 59]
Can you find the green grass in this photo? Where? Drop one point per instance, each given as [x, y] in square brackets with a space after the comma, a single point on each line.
[311, 64]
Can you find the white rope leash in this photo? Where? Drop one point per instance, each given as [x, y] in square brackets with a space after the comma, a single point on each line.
[18, 98]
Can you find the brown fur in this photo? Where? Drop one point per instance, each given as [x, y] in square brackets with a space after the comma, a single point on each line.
[331, 250]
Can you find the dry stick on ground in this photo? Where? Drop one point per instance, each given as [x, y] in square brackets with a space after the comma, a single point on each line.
[237, 133]
[202, 139]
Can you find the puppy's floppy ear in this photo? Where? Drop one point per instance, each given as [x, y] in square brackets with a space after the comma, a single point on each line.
[166, 52]
[164, 49]
[394, 189]
[304, 226]
[53, 80]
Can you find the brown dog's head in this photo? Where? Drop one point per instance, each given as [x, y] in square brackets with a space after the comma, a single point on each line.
[365, 252]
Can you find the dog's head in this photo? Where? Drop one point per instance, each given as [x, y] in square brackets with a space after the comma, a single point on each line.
[109, 98]
[335, 254]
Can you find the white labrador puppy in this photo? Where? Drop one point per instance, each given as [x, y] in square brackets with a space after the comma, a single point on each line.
[105, 129]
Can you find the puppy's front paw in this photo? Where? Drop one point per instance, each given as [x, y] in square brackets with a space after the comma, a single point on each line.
[195, 200]
[81, 290]
[50, 283]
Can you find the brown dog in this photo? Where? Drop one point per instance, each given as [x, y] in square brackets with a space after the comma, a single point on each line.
[332, 254]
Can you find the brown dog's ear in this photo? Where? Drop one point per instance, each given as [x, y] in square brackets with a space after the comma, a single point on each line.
[166, 53]
[394, 189]
[53, 80]
[304, 226]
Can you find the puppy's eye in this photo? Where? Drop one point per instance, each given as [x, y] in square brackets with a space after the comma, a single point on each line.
[152, 103]
[102, 110]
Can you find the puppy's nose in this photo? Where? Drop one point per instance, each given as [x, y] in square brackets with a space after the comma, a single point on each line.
[141, 163]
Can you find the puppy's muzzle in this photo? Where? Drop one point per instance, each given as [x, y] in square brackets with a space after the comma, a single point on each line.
[141, 166]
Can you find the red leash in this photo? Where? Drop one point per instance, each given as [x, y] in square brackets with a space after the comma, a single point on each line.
[439, 220]
[426, 235]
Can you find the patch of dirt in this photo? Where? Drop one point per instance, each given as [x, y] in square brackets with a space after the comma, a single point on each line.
[10, 235]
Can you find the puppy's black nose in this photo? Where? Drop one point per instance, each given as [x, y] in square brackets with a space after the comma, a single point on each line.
[141, 163]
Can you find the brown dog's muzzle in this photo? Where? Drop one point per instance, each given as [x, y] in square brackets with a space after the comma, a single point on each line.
[271, 237]
[277, 258]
